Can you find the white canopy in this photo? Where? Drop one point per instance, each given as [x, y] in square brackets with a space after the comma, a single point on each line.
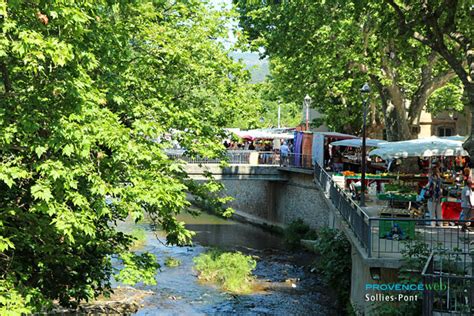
[425, 147]
[265, 134]
[357, 142]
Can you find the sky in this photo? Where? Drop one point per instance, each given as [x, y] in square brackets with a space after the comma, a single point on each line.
[258, 68]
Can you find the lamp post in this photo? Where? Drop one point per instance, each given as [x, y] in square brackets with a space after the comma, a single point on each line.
[279, 113]
[364, 90]
[307, 103]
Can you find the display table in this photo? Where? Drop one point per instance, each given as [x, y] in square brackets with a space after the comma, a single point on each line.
[370, 179]
[397, 197]
[451, 210]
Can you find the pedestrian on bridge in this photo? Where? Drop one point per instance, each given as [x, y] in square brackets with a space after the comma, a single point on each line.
[284, 151]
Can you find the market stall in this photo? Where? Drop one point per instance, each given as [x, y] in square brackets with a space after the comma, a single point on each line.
[348, 154]
[441, 153]
[320, 148]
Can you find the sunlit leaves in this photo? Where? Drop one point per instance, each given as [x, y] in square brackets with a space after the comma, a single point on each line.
[138, 268]
[99, 90]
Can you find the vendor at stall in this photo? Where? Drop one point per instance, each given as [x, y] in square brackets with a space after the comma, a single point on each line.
[467, 200]
[434, 192]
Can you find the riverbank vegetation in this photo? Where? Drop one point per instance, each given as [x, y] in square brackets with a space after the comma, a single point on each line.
[334, 264]
[296, 231]
[172, 262]
[232, 271]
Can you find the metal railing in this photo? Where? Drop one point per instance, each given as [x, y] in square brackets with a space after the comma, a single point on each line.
[388, 237]
[356, 218]
[237, 157]
[298, 161]
[391, 236]
[448, 279]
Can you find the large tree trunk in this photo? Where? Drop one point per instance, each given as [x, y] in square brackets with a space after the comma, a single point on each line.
[401, 112]
[469, 144]
[393, 107]
[396, 123]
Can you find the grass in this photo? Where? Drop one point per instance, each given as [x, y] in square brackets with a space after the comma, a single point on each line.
[232, 271]
[172, 262]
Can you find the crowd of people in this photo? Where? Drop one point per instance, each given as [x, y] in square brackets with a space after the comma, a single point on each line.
[434, 193]
[271, 150]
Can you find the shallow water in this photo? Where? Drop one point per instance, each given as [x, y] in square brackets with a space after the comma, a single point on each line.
[284, 286]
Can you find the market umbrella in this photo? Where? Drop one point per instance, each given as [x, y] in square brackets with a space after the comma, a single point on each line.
[425, 147]
[357, 142]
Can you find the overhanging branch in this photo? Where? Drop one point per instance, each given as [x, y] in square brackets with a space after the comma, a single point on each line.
[5, 78]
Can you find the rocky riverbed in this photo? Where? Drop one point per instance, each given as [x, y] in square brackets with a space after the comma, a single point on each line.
[284, 282]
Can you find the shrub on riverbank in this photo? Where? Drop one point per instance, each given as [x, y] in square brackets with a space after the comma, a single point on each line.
[296, 231]
[335, 262]
[172, 262]
[230, 270]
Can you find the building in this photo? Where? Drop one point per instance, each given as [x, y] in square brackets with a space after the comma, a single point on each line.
[444, 124]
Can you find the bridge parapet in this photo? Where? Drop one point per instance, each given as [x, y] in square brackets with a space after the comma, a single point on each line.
[234, 157]
[235, 172]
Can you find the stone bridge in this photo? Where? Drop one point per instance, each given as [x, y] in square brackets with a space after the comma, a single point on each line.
[269, 194]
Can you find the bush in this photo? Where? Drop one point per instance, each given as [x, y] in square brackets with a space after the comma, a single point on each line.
[335, 262]
[296, 231]
[230, 270]
[172, 262]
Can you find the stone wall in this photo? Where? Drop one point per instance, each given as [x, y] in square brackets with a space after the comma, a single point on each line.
[280, 202]
[253, 197]
[299, 197]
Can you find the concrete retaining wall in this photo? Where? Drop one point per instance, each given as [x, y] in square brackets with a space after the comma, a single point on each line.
[280, 202]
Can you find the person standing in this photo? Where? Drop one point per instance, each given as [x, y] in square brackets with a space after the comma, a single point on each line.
[284, 151]
[466, 204]
[434, 191]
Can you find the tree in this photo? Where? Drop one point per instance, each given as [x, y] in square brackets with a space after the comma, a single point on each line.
[445, 27]
[91, 92]
[260, 108]
[328, 49]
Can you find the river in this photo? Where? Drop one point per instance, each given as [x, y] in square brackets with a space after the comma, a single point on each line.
[285, 286]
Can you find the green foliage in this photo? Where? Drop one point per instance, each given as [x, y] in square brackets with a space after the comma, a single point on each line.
[139, 236]
[138, 268]
[444, 29]
[334, 263]
[296, 231]
[449, 98]
[230, 270]
[260, 108]
[328, 49]
[93, 93]
[12, 301]
[172, 262]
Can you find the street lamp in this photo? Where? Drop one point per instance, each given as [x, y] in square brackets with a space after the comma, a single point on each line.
[364, 90]
[279, 113]
[307, 103]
